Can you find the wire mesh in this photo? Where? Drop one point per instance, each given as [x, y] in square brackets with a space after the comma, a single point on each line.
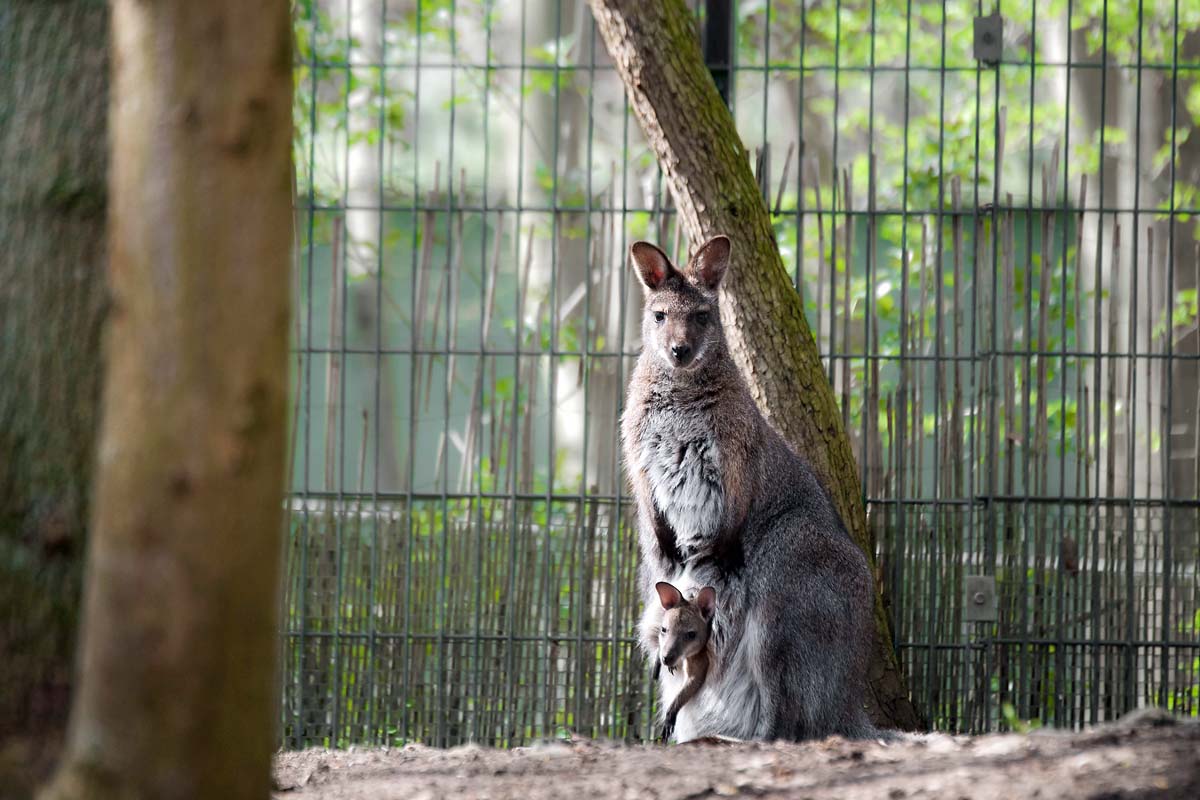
[999, 263]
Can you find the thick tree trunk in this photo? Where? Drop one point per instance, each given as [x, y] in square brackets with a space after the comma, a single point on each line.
[656, 50]
[176, 692]
[53, 154]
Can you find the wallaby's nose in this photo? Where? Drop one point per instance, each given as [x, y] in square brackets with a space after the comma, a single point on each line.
[681, 352]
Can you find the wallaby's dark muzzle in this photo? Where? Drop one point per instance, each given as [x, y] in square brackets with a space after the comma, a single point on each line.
[682, 354]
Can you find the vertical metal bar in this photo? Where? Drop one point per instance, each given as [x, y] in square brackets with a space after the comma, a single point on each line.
[552, 371]
[622, 278]
[995, 362]
[370, 700]
[972, 488]
[473, 733]
[732, 61]
[476, 639]
[518, 316]
[766, 88]
[1165, 695]
[1094, 714]
[718, 45]
[800, 148]
[585, 338]
[413, 371]
[1129, 661]
[444, 479]
[935, 544]
[1060, 669]
[902, 388]
[1025, 683]
[837, 97]
[868, 413]
[848, 259]
[298, 737]
[336, 512]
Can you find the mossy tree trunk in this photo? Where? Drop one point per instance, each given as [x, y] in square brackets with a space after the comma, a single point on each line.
[656, 50]
[176, 692]
[53, 154]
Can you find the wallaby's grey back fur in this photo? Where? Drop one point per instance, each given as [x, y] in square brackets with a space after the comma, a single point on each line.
[724, 501]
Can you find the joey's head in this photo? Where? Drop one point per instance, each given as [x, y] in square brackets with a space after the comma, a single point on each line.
[681, 324]
[685, 625]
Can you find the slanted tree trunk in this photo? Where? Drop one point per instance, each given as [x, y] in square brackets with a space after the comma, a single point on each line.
[656, 51]
[53, 154]
[176, 693]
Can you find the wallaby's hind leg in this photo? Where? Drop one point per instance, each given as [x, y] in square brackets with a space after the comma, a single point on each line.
[782, 699]
[775, 660]
[803, 699]
[805, 666]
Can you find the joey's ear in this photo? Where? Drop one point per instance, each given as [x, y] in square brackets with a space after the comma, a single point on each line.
[707, 267]
[706, 601]
[668, 595]
[651, 264]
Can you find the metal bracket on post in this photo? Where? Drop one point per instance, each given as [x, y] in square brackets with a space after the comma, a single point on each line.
[989, 38]
[979, 603]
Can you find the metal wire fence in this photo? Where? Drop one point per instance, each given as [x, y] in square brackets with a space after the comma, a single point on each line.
[989, 209]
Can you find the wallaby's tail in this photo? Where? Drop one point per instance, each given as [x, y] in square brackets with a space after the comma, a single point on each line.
[881, 734]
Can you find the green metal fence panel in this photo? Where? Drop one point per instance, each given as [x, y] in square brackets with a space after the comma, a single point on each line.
[990, 213]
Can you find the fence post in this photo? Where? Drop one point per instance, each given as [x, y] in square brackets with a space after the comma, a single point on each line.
[718, 43]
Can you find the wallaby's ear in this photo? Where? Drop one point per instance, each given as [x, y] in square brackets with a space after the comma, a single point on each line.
[668, 595]
[708, 266]
[706, 601]
[652, 265]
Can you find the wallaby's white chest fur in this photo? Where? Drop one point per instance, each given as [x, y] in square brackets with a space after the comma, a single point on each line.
[680, 458]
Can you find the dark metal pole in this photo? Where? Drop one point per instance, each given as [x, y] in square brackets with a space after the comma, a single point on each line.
[718, 43]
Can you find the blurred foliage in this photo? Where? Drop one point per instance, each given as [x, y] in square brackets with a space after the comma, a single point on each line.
[893, 80]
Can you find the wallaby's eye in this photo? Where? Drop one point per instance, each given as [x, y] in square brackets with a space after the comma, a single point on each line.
[701, 318]
[664, 628]
[691, 635]
[659, 316]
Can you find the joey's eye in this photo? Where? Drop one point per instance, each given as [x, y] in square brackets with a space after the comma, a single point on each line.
[664, 628]
[691, 635]
[659, 316]
[701, 318]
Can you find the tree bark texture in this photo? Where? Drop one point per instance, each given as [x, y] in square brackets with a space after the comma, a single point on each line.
[656, 51]
[53, 156]
[176, 696]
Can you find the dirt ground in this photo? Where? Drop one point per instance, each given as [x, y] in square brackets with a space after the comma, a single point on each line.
[1144, 756]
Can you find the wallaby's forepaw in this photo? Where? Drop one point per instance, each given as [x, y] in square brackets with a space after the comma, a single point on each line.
[657, 669]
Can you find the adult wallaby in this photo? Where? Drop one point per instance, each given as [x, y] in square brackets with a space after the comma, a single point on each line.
[684, 632]
[723, 501]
